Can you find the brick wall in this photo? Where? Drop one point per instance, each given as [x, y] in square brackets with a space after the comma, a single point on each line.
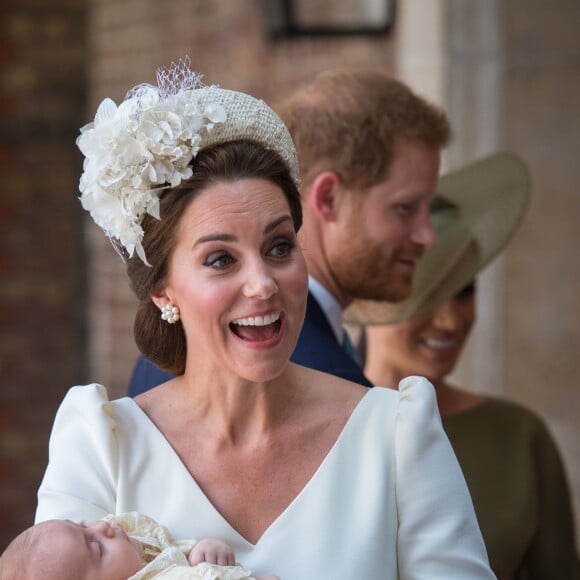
[42, 263]
[66, 314]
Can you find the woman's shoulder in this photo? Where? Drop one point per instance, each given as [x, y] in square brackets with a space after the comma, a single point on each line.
[413, 391]
[89, 394]
[86, 394]
[511, 414]
[413, 402]
[322, 388]
[83, 399]
[414, 397]
[91, 405]
[507, 423]
[411, 388]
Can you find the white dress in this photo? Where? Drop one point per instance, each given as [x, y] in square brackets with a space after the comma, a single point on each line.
[388, 501]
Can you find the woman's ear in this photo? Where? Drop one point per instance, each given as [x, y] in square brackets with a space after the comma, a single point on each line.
[159, 295]
[325, 194]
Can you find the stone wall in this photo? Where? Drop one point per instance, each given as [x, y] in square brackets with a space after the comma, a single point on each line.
[507, 73]
[542, 93]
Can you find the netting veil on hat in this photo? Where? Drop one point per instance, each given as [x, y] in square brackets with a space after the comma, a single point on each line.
[136, 150]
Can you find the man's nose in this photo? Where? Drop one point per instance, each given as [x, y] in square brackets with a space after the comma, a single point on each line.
[423, 233]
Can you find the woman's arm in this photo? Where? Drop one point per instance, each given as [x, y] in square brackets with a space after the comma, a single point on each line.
[80, 480]
[553, 552]
[438, 532]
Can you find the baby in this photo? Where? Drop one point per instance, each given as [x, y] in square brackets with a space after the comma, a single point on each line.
[128, 546]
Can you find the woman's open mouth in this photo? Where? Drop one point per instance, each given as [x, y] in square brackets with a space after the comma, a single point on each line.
[257, 328]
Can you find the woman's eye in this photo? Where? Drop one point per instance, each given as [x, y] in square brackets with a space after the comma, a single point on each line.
[282, 249]
[466, 292]
[219, 261]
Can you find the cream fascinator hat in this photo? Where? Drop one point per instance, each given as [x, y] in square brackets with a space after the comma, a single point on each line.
[136, 150]
[475, 213]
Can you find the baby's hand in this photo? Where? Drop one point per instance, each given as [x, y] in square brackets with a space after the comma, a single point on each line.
[212, 552]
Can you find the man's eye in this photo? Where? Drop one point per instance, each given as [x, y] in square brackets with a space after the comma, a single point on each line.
[219, 261]
[406, 208]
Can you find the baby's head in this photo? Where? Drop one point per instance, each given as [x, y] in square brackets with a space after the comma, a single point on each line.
[63, 550]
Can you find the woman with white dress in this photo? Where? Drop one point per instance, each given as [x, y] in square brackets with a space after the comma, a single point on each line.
[306, 475]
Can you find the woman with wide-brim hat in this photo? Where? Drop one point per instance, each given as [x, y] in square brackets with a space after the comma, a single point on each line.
[510, 460]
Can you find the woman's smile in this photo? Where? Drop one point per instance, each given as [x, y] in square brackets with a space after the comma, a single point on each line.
[258, 328]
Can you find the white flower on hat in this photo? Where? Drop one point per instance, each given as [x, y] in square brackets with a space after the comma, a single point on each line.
[137, 149]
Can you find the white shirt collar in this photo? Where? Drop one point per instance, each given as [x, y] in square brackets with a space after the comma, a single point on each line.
[329, 305]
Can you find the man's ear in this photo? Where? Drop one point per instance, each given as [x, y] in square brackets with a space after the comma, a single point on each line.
[325, 195]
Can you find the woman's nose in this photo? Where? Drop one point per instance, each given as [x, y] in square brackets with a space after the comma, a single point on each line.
[446, 316]
[259, 282]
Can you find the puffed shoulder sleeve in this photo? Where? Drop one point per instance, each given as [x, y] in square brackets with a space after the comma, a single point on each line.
[438, 532]
[80, 480]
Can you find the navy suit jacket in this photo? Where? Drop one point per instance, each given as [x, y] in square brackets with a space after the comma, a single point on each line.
[317, 348]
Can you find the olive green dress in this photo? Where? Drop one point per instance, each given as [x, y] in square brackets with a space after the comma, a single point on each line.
[519, 488]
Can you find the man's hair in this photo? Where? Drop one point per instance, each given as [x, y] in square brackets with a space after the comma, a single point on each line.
[349, 121]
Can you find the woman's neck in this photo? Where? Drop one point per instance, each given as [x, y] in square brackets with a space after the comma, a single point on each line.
[452, 400]
[232, 410]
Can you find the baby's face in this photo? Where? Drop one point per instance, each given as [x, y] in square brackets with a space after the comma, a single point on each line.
[92, 551]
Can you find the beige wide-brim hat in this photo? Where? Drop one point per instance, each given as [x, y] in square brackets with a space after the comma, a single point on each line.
[476, 211]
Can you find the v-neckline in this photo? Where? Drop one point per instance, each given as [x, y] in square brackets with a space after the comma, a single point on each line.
[297, 498]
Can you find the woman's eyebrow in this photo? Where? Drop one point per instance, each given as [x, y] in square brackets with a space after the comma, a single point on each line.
[231, 238]
[274, 224]
[215, 238]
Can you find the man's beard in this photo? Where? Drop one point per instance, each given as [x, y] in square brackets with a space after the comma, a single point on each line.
[364, 271]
